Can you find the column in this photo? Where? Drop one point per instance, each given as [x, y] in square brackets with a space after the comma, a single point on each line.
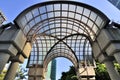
[36, 73]
[114, 75]
[10, 75]
[3, 60]
[117, 57]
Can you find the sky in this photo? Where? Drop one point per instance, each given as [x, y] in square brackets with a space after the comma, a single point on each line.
[11, 8]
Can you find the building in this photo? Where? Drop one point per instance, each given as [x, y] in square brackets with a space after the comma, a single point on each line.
[48, 74]
[2, 17]
[115, 3]
[51, 70]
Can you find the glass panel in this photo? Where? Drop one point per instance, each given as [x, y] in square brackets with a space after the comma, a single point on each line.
[49, 8]
[44, 16]
[37, 19]
[64, 6]
[56, 6]
[29, 16]
[23, 21]
[40, 62]
[40, 58]
[71, 15]
[72, 8]
[90, 23]
[32, 23]
[77, 16]
[42, 10]
[35, 12]
[95, 29]
[64, 14]
[79, 9]
[93, 16]
[86, 12]
[84, 19]
[26, 29]
[98, 21]
[50, 15]
[57, 14]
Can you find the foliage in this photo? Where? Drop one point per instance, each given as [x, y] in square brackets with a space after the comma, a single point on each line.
[101, 72]
[3, 74]
[21, 73]
[70, 75]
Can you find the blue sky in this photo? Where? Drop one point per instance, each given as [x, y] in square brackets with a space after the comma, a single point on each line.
[11, 8]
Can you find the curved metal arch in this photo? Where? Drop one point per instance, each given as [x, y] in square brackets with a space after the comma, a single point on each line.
[76, 4]
[61, 40]
[61, 2]
[84, 29]
[27, 17]
[61, 55]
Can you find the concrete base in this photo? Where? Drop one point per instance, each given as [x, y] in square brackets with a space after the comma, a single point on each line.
[88, 79]
[36, 73]
[88, 73]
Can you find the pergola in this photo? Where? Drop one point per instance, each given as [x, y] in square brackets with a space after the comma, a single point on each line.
[76, 31]
[61, 28]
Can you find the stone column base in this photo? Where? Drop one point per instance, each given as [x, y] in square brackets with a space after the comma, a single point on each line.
[36, 73]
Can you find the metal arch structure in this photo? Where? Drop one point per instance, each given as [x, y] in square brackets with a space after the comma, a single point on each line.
[61, 28]
[67, 29]
[54, 20]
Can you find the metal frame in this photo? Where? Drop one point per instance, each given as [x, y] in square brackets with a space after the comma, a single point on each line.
[69, 24]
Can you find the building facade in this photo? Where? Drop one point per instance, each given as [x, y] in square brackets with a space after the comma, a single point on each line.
[2, 17]
[115, 3]
[51, 70]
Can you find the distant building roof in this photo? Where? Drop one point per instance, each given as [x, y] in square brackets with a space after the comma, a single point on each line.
[2, 17]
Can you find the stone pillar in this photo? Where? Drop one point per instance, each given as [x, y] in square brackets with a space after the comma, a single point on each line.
[10, 75]
[36, 73]
[12, 41]
[86, 73]
[111, 70]
[3, 60]
[117, 57]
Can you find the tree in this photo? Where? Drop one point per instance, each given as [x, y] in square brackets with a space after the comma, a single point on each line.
[21, 73]
[101, 72]
[70, 75]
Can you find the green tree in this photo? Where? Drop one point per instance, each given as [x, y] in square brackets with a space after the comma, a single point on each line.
[21, 73]
[101, 72]
[70, 75]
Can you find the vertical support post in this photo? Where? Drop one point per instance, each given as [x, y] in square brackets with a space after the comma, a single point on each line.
[36, 73]
[10, 75]
[111, 70]
[117, 57]
[3, 60]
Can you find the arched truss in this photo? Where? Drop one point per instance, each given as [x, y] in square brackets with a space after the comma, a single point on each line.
[65, 27]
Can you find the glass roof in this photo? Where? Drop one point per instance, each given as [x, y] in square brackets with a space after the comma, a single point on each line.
[61, 28]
